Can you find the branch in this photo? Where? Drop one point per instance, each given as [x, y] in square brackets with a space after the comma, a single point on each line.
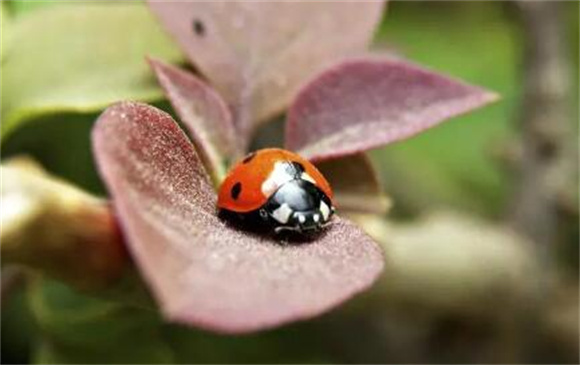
[546, 125]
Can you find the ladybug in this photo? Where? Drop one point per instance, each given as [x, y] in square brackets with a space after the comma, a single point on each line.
[277, 190]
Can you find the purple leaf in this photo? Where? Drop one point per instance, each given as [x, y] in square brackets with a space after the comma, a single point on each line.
[363, 104]
[201, 271]
[355, 184]
[257, 53]
[205, 115]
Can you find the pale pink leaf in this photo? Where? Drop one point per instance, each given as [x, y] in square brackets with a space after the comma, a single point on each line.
[367, 103]
[204, 113]
[258, 53]
[201, 271]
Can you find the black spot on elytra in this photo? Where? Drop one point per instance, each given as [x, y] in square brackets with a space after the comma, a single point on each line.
[198, 27]
[249, 157]
[236, 190]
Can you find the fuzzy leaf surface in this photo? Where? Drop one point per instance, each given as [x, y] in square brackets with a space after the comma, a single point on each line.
[363, 104]
[204, 114]
[201, 270]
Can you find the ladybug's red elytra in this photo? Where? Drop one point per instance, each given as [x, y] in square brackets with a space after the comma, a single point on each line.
[277, 189]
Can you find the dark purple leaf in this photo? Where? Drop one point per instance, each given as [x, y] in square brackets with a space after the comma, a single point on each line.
[201, 271]
[363, 104]
[258, 53]
[355, 184]
[205, 115]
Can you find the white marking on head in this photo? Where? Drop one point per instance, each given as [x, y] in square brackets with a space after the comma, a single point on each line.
[278, 177]
[307, 177]
[325, 210]
[316, 218]
[282, 214]
[301, 218]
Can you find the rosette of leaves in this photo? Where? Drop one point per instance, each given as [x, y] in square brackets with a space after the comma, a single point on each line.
[255, 62]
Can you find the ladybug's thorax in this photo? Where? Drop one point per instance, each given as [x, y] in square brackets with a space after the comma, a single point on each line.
[283, 172]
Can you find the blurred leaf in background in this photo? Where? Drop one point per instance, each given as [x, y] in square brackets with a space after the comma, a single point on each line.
[17, 8]
[81, 329]
[69, 61]
[70, 158]
[79, 57]
[18, 330]
[455, 164]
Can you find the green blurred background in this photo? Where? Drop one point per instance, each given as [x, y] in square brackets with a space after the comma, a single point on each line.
[460, 165]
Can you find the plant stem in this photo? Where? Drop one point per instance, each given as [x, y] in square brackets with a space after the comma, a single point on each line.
[547, 141]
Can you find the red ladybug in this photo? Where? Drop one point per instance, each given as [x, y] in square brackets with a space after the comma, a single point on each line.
[277, 189]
